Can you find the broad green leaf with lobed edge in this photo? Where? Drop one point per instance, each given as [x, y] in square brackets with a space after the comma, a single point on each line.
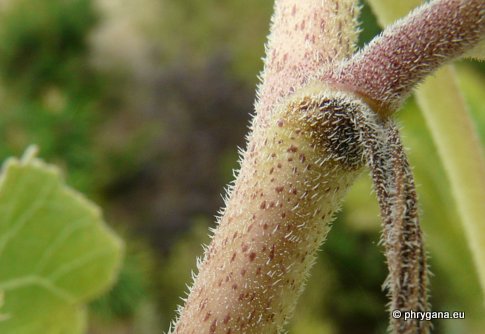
[56, 253]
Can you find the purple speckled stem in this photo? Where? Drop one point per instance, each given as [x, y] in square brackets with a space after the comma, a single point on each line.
[278, 211]
[385, 72]
[303, 154]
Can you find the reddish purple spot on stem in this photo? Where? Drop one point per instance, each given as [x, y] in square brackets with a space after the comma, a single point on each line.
[280, 122]
[213, 326]
[263, 205]
[271, 253]
[233, 257]
[252, 256]
[207, 316]
[292, 149]
[279, 189]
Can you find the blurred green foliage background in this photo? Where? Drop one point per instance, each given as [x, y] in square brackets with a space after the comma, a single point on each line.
[144, 103]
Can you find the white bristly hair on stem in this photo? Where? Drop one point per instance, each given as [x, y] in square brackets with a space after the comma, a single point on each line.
[385, 72]
[321, 116]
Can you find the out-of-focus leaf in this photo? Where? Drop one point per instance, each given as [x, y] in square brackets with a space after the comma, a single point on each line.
[56, 253]
[69, 320]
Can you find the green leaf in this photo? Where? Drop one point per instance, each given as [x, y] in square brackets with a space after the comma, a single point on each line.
[56, 253]
[69, 320]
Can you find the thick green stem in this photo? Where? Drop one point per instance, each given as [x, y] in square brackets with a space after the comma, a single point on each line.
[303, 153]
[292, 179]
[459, 148]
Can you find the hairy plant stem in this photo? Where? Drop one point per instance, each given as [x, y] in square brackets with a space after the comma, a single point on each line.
[385, 72]
[319, 119]
[291, 180]
[402, 237]
[455, 137]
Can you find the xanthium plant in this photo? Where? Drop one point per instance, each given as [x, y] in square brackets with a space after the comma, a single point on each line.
[322, 116]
